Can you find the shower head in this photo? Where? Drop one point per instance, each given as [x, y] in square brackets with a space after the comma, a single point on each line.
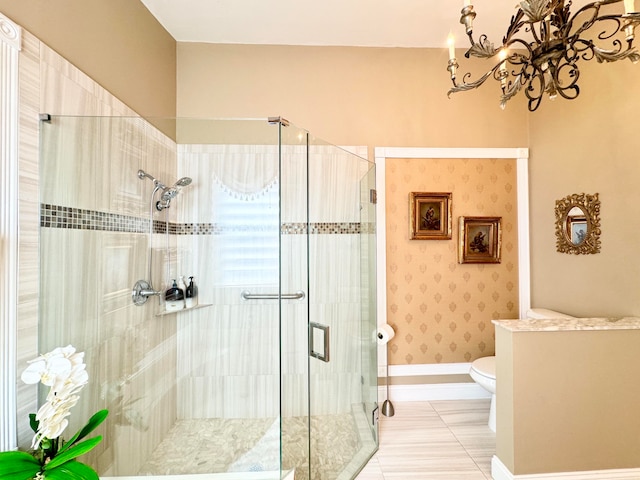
[183, 182]
[171, 192]
[167, 192]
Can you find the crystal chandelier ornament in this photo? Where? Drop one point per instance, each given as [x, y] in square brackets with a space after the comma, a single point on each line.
[543, 44]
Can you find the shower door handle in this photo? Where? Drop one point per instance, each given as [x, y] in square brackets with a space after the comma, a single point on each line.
[272, 296]
[319, 341]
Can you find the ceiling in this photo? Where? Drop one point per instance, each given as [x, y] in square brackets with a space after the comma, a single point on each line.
[375, 23]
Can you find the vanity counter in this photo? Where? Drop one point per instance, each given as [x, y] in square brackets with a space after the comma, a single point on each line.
[569, 324]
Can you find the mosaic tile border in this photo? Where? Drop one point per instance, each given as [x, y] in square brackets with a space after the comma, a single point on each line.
[56, 216]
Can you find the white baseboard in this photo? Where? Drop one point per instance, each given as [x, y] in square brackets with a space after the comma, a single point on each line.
[425, 369]
[500, 472]
[436, 391]
[430, 391]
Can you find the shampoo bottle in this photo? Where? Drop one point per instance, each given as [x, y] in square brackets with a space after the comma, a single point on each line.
[191, 295]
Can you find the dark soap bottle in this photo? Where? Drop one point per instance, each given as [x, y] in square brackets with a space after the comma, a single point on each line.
[174, 298]
[191, 295]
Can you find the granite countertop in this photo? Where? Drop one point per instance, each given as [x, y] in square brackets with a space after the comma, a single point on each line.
[569, 324]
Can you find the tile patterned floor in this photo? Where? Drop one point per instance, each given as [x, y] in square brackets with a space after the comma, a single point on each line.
[439, 440]
[217, 445]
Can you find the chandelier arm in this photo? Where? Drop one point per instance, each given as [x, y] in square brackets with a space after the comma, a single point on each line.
[568, 26]
[589, 50]
[482, 49]
[510, 91]
[581, 48]
[511, 43]
[533, 103]
[613, 56]
[574, 73]
[515, 25]
[464, 86]
[603, 35]
[537, 38]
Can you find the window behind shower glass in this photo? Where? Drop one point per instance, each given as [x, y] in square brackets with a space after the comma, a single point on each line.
[247, 228]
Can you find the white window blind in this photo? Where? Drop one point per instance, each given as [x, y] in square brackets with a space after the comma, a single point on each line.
[248, 240]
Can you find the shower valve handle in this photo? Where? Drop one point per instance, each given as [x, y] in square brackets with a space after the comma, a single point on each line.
[141, 291]
[148, 293]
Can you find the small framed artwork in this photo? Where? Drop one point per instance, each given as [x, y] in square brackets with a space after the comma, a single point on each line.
[430, 216]
[480, 239]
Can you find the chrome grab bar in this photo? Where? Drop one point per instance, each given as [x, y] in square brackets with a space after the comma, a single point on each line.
[272, 296]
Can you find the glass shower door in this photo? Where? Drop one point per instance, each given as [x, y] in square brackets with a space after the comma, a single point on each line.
[294, 314]
[341, 313]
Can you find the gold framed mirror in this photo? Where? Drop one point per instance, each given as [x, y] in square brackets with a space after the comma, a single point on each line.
[578, 224]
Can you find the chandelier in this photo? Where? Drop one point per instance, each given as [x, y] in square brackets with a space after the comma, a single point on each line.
[540, 51]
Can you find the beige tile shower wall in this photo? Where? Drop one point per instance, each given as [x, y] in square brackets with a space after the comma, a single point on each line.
[90, 273]
[87, 275]
[229, 352]
[441, 309]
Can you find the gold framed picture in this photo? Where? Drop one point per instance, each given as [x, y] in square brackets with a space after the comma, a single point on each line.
[429, 216]
[480, 239]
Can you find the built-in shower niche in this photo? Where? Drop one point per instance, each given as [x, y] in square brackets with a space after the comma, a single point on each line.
[269, 210]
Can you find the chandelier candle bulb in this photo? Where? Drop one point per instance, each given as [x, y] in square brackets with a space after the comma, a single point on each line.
[629, 6]
[451, 41]
[503, 57]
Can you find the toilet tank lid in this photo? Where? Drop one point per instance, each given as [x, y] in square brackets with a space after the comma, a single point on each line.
[543, 313]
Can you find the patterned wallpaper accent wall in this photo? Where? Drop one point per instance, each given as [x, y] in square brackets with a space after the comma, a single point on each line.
[440, 309]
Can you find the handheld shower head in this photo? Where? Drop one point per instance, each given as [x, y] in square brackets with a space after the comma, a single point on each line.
[183, 182]
[171, 192]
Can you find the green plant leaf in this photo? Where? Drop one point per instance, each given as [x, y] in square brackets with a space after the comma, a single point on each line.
[73, 470]
[18, 466]
[91, 425]
[73, 452]
[26, 475]
[33, 422]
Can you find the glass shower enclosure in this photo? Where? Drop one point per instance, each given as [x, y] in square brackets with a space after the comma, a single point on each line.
[270, 370]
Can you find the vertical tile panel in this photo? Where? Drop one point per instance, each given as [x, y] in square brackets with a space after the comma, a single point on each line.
[29, 215]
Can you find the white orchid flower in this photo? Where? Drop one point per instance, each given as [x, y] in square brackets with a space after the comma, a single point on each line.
[63, 370]
[53, 366]
[53, 421]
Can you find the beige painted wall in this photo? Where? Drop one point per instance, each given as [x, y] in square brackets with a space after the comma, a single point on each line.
[347, 95]
[118, 43]
[567, 400]
[440, 309]
[588, 145]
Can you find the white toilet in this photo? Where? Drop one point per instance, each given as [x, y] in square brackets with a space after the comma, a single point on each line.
[483, 370]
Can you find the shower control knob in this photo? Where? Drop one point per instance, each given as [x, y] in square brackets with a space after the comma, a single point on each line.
[141, 291]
